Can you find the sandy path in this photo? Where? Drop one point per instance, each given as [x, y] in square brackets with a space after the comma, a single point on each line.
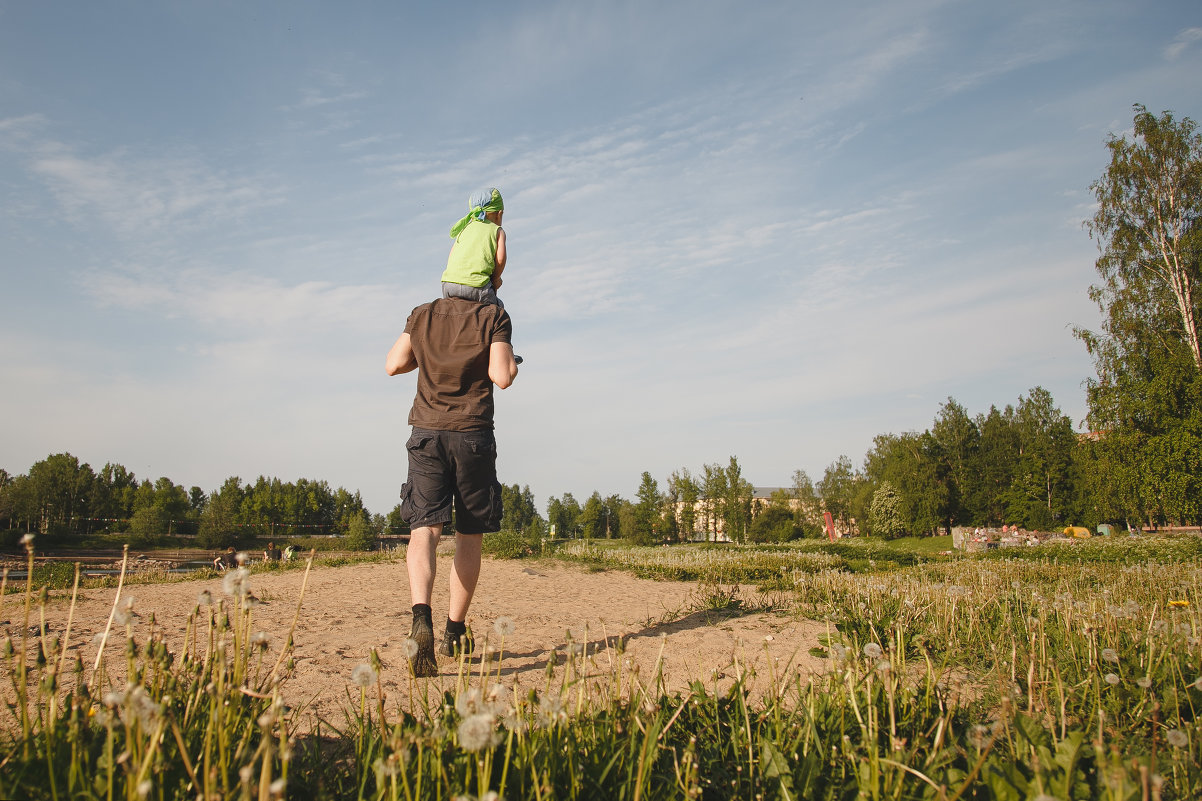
[349, 610]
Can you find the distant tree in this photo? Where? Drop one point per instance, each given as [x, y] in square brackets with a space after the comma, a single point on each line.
[1147, 227]
[837, 489]
[807, 507]
[150, 521]
[1042, 492]
[687, 492]
[591, 522]
[736, 502]
[614, 504]
[360, 533]
[519, 508]
[219, 521]
[394, 523]
[646, 512]
[886, 516]
[959, 443]
[1145, 406]
[776, 523]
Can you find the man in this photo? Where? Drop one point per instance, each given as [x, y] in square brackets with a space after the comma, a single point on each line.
[460, 348]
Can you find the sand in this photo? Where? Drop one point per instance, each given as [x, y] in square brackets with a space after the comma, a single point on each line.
[626, 624]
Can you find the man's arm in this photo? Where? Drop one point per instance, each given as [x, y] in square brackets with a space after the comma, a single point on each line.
[400, 357]
[502, 369]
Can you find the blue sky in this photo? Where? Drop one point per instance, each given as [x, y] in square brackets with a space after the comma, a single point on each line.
[771, 230]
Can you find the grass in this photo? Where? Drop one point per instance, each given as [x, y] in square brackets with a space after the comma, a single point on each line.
[1032, 677]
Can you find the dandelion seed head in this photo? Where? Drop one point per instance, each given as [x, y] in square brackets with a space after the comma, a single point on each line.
[205, 598]
[478, 732]
[363, 675]
[1177, 738]
[1144, 682]
[278, 787]
[144, 788]
[242, 557]
[978, 735]
[246, 773]
[873, 651]
[1197, 685]
[883, 667]
[504, 627]
[27, 540]
[469, 702]
[121, 617]
[236, 582]
[411, 648]
[1110, 655]
[1111, 679]
[260, 638]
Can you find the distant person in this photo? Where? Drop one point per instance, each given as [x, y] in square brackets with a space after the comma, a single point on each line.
[272, 554]
[478, 256]
[225, 561]
[461, 349]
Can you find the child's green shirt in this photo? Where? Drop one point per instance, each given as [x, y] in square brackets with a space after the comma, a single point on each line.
[474, 257]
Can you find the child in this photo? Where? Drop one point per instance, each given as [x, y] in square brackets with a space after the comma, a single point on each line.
[477, 258]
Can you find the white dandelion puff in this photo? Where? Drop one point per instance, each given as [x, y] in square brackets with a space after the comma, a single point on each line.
[504, 627]
[1144, 682]
[411, 648]
[363, 675]
[478, 732]
[1110, 655]
[1111, 679]
[873, 651]
[242, 557]
[1177, 738]
[470, 702]
[205, 598]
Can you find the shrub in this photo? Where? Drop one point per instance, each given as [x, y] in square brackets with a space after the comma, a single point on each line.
[511, 545]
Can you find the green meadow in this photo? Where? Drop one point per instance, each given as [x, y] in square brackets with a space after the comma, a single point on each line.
[1068, 671]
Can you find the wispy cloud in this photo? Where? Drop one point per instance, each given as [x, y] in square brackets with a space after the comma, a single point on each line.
[1181, 42]
[138, 197]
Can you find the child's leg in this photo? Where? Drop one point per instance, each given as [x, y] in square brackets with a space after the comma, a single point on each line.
[482, 294]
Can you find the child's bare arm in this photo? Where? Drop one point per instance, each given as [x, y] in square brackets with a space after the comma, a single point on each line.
[500, 260]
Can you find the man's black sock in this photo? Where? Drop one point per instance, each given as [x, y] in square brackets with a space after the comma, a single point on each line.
[422, 611]
[456, 628]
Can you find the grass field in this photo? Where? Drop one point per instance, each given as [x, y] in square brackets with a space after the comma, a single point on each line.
[1059, 672]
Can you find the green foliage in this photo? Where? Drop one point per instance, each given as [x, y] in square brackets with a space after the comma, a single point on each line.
[360, 533]
[511, 544]
[774, 525]
[1146, 403]
[885, 516]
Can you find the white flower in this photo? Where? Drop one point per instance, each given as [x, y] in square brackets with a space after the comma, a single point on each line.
[1111, 679]
[1177, 738]
[470, 702]
[236, 582]
[477, 732]
[363, 675]
[1110, 655]
[873, 651]
[504, 627]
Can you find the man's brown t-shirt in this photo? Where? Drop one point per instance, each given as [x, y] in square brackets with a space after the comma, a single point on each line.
[451, 340]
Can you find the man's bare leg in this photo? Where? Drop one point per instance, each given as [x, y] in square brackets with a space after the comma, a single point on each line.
[465, 572]
[421, 559]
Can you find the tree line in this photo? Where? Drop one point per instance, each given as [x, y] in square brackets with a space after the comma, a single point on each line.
[65, 500]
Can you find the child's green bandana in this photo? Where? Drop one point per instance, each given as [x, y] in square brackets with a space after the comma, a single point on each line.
[480, 203]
